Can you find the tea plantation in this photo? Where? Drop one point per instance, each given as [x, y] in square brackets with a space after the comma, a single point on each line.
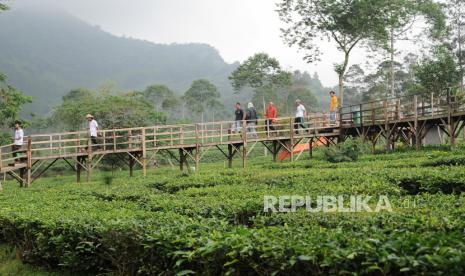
[213, 222]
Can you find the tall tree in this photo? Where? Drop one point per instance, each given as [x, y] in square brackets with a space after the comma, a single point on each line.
[355, 84]
[202, 96]
[163, 100]
[436, 74]
[262, 73]
[345, 22]
[456, 13]
[112, 111]
[301, 89]
[11, 102]
[400, 17]
[161, 96]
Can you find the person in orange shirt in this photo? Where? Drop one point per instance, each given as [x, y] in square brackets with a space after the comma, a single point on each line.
[271, 115]
[332, 107]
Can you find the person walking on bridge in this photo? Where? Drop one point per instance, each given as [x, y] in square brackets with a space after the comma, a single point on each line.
[93, 128]
[333, 107]
[271, 115]
[240, 116]
[18, 140]
[300, 114]
[251, 118]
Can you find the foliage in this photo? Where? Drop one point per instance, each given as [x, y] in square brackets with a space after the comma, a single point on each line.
[212, 222]
[111, 111]
[3, 7]
[300, 89]
[347, 151]
[456, 14]
[435, 75]
[163, 99]
[262, 73]
[11, 103]
[345, 22]
[202, 96]
[258, 71]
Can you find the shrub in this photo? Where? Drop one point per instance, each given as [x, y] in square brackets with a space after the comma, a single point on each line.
[347, 151]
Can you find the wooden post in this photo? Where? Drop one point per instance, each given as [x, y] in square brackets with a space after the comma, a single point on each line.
[78, 169]
[244, 144]
[311, 147]
[197, 147]
[89, 159]
[361, 115]
[104, 140]
[373, 114]
[4, 175]
[416, 130]
[291, 139]
[432, 104]
[386, 126]
[144, 153]
[21, 175]
[275, 151]
[114, 140]
[1, 162]
[181, 160]
[451, 123]
[131, 166]
[230, 155]
[29, 162]
[221, 133]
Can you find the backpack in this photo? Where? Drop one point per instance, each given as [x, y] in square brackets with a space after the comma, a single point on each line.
[252, 115]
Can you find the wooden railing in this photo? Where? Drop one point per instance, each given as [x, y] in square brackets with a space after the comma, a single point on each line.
[75, 144]
[398, 109]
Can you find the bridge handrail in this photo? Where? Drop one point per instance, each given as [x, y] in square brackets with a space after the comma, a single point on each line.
[78, 143]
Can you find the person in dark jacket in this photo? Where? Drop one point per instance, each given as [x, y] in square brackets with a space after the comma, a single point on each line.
[240, 116]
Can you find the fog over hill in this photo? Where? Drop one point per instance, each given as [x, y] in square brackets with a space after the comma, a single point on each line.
[47, 53]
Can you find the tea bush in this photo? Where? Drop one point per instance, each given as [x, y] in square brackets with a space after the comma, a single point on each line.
[347, 151]
[213, 223]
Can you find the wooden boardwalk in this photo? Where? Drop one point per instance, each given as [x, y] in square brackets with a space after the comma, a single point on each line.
[401, 119]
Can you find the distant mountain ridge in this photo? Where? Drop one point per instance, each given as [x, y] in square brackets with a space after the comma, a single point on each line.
[47, 53]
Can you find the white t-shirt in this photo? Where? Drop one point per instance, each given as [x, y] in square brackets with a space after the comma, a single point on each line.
[300, 112]
[19, 136]
[93, 126]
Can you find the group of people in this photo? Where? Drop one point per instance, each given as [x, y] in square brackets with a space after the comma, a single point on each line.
[250, 117]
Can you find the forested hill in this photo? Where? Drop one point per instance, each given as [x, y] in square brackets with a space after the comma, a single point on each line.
[45, 54]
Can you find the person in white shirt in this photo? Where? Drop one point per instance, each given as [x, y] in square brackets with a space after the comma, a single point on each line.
[18, 139]
[93, 128]
[300, 114]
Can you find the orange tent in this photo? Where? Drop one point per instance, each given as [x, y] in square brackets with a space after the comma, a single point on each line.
[302, 147]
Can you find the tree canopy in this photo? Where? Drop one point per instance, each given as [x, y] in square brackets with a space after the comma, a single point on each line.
[262, 73]
[11, 102]
[202, 96]
[346, 22]
[112, 111]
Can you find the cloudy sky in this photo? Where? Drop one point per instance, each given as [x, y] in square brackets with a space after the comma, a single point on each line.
[237, 28]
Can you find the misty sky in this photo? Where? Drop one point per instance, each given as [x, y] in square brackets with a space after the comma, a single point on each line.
[237, 28]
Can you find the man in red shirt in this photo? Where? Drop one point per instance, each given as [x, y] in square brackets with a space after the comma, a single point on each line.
[271, 115]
